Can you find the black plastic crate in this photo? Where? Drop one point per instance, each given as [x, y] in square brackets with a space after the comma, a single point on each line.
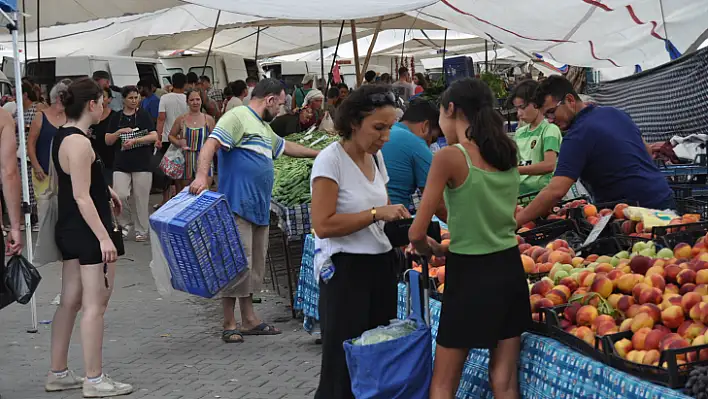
[556, 332]
[526, 198]
[692, 205]
[536, 277]
[674, 234]
[610, 245]
[564, 229]
[542, 326]
[673, 376]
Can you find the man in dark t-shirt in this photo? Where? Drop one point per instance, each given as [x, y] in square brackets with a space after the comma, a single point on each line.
[603, 147]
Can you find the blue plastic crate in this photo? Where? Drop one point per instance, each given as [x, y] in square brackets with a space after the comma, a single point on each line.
[201, 243]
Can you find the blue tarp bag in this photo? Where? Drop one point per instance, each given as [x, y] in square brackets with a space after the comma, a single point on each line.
[397, 369]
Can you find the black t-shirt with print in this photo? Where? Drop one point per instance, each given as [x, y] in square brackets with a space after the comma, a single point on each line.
[136, 159]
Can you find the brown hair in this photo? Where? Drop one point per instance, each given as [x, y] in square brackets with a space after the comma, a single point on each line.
[79, 93]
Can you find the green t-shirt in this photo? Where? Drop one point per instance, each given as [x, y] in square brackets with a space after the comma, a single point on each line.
[533, 144]
[300, 94]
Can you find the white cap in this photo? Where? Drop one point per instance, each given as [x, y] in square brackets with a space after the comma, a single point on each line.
[308, 78]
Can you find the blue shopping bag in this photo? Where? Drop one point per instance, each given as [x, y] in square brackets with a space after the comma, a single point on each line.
[397, 369]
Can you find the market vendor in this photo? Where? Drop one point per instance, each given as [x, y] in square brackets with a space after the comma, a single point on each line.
[407, 153]
[311, 113]
[603, 147]
[538, 141]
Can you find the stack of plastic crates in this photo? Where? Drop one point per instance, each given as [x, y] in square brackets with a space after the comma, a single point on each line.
[200, 240]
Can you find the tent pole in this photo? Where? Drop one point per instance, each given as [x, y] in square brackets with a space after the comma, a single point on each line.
[371, 47]
[486, 56]
[443, 55]
[355, 45]
[321, 53]
[23, 159]
[211, 42]
[258, 39]
[39, 55]
[334, 58]
[24, 29]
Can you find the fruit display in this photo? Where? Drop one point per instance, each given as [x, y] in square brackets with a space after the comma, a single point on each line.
[292, 175]
[537, 259]
[559, 212]
[658, 295]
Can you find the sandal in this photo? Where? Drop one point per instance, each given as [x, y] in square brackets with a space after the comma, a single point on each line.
[262, 329]
[232, 337]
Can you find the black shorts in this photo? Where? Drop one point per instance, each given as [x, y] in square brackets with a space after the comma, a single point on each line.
[486, 300]
[81, 245]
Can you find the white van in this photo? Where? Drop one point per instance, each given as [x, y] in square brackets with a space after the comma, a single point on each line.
[123, 70]
[221, 68]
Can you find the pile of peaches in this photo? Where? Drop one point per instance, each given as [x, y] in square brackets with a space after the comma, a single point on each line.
[537, 259]
[558, 213]
[661, 297]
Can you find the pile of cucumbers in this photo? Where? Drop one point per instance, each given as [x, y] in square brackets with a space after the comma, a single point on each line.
[292, 175]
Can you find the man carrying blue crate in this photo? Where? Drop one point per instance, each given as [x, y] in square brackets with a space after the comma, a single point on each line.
[247, 147]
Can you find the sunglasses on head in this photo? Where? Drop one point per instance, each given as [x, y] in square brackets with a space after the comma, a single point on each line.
[378, 99]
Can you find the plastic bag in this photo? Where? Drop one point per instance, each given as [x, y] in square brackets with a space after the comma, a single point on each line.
[397, 329]
[21, 278]
[158, 266]
[172, 164]
[327, 123]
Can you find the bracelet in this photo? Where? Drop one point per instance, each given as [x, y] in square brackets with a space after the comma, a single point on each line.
[373, 215]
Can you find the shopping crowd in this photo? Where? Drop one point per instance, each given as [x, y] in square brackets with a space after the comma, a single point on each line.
[98, 142]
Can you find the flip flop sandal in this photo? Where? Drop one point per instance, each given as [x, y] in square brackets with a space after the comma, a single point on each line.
[262, 329]
[228, 336]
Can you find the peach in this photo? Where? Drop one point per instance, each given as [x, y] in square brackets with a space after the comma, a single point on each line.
[570, 283]
[627, 227]
[626, 325]
[586, 335]
[536, 252]
[656, 269]
[614, 300]
[652, 310]
[640, 321]
[652, 356]
[653, 339]
[614, 275]
[587, 279]
[689, 300]
[560, 257]
[703, 255]
[702, 354]
[625, 302]
[522, 248]
[602, 285]
[695, 329]
[586, 315]
[571, 310]
[701, 289]
[577, 261]
[619, 211]
[686, 288]
[603, 318]
[633, 310]
[672, 288]
[637, 290]
[640, 264]
[592, 258]
[696, 311]
[686, 276]
[593, 220]
[651, 295]
[682, 250]
[607, 328]
[639, 338]
[704, 312]
[528, 263]
[533, 299]
[702, 276]
[683, 327]
[605, 212]
[679, 344]
[623, 346]
[668, 339]
[636, 356]
[542, 287]
[670, 300]
[656, 281]
[544, 303]
[672, 272]
[672, 316]
[663, 328]
[558, 297]
[626, 283]
[590, 210]
[624, 266]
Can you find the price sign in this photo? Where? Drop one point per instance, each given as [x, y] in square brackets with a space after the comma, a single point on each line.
[599, 227]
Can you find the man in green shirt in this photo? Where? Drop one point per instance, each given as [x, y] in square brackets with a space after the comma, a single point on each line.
[300, 92]
[538, 141]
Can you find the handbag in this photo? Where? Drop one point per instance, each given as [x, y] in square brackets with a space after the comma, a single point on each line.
[397, 231]
[172, 164]
[45, 249]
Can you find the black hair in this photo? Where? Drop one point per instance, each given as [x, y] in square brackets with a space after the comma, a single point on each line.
[28, 88]
[108, 93]
[474, 99]
[333, 92]
[205, 78]
[101, 75]
[238, 87]
[342, 86]
[369, 76]
[359, 104]
[422, 81]
[179, 80]
[555, 86]
[420, 110]
[267, 87]
[251, 79]
[227, 90]
[402, 71]
[79, 93]
[192, 78]
[147, 83]
[526, 91]
[126, 90]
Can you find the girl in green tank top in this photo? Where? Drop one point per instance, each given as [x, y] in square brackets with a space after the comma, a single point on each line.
[478, 178]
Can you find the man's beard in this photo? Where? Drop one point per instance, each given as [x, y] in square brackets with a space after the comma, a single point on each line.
[268, 116]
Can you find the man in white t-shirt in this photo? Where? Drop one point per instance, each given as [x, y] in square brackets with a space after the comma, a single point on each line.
[251, 82]
[172, 105]
[403, 86]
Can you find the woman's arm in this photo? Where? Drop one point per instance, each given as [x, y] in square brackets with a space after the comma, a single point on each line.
[174, 136]
[35, 128]
[432, 197]
[77, 152]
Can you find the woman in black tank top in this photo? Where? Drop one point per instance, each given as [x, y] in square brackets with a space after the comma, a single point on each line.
[83, 237]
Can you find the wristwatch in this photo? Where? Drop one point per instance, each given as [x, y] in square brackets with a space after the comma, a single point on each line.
[373, 215]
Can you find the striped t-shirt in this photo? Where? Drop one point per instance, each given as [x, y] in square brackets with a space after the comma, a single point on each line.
[248, 148]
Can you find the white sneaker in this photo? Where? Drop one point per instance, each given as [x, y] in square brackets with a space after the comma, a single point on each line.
[106, 388]
[69, 381]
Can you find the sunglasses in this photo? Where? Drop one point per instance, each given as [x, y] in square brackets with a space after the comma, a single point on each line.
[551, 113]
[379, 99]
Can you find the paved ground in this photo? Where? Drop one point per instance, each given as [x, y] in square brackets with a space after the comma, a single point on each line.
[168, 348]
